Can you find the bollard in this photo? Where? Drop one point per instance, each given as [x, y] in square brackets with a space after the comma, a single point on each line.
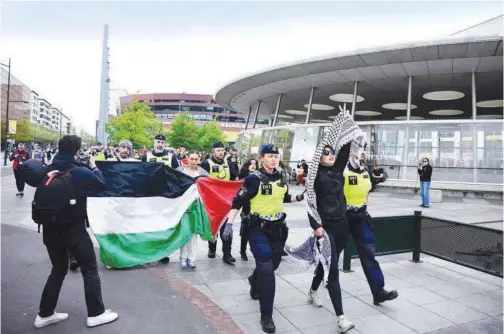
[347, 261]
[417, 238]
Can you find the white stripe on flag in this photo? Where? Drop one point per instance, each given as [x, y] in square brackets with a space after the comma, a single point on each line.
[120, 215]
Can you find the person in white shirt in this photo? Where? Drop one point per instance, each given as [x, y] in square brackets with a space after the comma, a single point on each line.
[125, 152]
[188, 251]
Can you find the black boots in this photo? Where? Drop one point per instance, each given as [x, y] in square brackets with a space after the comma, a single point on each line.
[244, 256]
[211, 254]
[228, 258]
[253, 291]
[165, 260]
[73, 264]
[384, 296]
[267, 324]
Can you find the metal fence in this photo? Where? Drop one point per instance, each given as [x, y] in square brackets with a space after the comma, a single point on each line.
[472, 246]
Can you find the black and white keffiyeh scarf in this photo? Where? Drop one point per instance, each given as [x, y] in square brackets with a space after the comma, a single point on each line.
[342, 131]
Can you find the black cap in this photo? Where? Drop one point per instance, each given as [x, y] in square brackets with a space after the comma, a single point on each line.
[269, 149]
[160, 137]
[217, 144]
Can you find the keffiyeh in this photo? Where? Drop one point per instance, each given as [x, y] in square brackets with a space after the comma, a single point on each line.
[342, 131]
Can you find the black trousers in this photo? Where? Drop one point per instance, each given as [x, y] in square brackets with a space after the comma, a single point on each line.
[244, 233]
[226, 245]
[267, 244]
[75, 239]
[20, 183]
[338, 238]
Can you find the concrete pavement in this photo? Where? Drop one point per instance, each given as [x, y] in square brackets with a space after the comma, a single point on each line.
[434, 296]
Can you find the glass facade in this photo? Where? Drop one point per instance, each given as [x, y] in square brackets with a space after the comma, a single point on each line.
[464, 151]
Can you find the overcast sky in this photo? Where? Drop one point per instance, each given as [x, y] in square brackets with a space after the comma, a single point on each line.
[198, 47]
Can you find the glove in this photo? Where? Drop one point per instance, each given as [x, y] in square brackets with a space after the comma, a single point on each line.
[300, 197]
[227, 235]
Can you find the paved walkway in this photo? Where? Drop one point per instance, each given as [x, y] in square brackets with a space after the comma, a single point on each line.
[434, 296]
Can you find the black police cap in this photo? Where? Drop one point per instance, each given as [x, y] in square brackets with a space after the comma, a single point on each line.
[160, 137]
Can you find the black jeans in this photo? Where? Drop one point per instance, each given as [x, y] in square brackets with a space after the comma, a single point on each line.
[338, 238]
[226, 245]
[20, 183]
[75, 239]
[244, 233]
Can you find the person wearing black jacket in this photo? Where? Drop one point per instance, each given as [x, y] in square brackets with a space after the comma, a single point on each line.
[425, 173]
[331, 206]
[72, 236]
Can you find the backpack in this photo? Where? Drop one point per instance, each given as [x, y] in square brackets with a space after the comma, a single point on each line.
[54, 203]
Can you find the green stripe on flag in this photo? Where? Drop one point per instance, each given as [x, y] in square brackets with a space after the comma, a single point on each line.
[131, 249]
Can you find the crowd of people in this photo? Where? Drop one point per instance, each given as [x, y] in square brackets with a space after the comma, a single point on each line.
[337, 185]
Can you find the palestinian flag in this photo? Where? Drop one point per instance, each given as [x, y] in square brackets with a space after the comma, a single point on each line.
[148, 211]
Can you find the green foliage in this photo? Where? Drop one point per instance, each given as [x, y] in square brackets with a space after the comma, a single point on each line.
[209, 134]
[137, 123]
[87, 139]
[184, 132]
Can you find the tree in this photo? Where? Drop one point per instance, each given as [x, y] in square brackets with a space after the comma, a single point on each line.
[209, 134]
[24, 131]
[87, 139]
[137, 123]
[184, 132]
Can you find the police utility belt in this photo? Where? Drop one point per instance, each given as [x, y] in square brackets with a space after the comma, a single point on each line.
[257, 221]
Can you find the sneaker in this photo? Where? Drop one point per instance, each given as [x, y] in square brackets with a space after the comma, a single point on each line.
[314, 298]
[102, 319]
[344, 325]
[244, 256]
[267, 324]
[56, 317]
[21, 194]
[384, 296]
[18, 194]
[211, 254]
[183, 263]
[191, 264]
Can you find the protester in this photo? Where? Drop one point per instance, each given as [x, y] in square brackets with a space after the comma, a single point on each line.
[357, 187]
[189, 250]
[425, 173]
[37, 153]
[125, 152]
[218, 168]
[234, 168]
[19, 156]
[249, 167]
[302, 171]
[327, 210]
[68, 232]
[265, 191]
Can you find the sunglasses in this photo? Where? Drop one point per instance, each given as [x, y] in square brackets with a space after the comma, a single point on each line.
[328, 152]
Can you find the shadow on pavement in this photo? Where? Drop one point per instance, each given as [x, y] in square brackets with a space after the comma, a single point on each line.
[146, 304]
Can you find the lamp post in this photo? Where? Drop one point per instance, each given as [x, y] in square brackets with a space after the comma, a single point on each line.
[7, 112]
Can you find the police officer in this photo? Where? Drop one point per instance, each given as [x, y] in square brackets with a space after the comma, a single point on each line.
[160, 154]
[265, 191]
[217, 167]
[357, 187]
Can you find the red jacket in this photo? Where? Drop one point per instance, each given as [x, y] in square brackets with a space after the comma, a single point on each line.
[18, 157]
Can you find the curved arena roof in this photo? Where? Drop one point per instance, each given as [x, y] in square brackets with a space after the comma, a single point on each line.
[382, 76]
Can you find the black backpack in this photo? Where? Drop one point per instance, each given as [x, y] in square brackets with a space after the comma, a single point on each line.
[55, 202]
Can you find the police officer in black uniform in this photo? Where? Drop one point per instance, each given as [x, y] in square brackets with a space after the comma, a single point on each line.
[265, 191]
[159, 153]
[218, 168]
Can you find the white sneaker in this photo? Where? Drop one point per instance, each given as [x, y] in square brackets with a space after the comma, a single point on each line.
[344, 325]
[102, 319]
[56, 317]
[183, 263]
[314, 298]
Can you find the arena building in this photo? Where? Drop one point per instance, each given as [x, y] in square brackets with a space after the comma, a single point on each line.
[440, 99]
[202, 108]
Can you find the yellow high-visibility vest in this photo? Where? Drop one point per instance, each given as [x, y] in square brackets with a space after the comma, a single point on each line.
[357, 187]
[166, 159]
[220, 172]
[269, 199]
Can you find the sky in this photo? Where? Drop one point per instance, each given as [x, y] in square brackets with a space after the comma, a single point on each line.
[199, 47]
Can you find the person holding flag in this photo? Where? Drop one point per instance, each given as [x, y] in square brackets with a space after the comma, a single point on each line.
[160, 154]
[265, 191]
[218, 168]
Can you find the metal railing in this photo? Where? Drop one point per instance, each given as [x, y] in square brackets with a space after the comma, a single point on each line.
[472, 246]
